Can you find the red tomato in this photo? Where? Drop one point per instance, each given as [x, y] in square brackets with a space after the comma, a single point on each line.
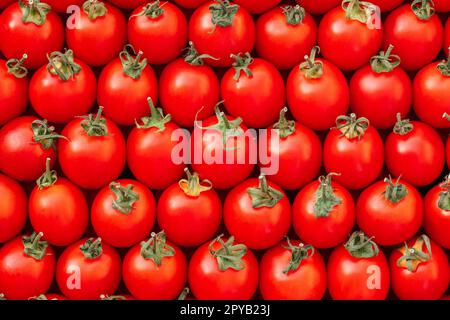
[189, 89]
[123, 213]
[128, 4]
[48, 296]
[257, 6]
[25, 144]
[390, 212]
[257, 213]
[99, 35]
[447, 148]
[317, 93]
[156, 169]
[358, 270]
[296, 154]
[257, 95]
[5, 3]
[190, 4]
[292, 271]
[388, 5]
[355, 150]
[29, 27]
[221, 29]
[447, 37]
[63, 89]
[62, 5]
[27, 267]
[87, 269]
[94, 153]
[13, 208]
[414, 151]
[319, 6]
[348, 36]
[420, 270]
[155, 269]
[442, 5]
[223, 270]
[381, 90]
[49, 198]
[159, 30]
[127, 81]
[14, 89]
[323, 213]
[193, 201]
[416, 35]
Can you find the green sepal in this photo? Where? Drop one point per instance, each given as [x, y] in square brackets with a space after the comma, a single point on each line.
[157, 119]
[132, 64]
[413, 256]
[241, 64]
[94, 9]
[156, 248]
[45, 134]
[298, 254]
[444, 195]
[92, 248]
[34, 247]
[351, 126]
[16, 68]
[395, 192]
[358, 10]
[151, 10]
[311, 68]
[294, 14]
[48, 178]
[34, 11]
[95, 125]
[63, 65]
[194, 58]
[444, 66]
[230, 255]
[423, 9]
[264, 195]
[385, 61]
[325, 200]
[284, 127]
[223, 13]
[125, 197]
[402, 127]
[361, 246]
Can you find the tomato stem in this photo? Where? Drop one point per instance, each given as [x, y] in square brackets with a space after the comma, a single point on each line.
[16, 68]
[413, 256]
[94, 9]
[298, 254]
[192, 185]
[222, 13]
[92, 248]
[113, 297]
[394, 192]
[294, 14]
[33, 246]
[311, 68]
[156, 119]
[242, 63]
[229, 255]
[326, 199]
[194, 58]
[361, 246]
[125, 197]
[63, 65]
[183, 295]
[423, 9]
[156, 248]
[95, 126]
[48, 178]
[444, 195]
[357, 10]
[402, 127]
[33, 11]
[264, 195]
[351, 126]
[444, 66]
[385, 61]
[151, 10]
[284, 127]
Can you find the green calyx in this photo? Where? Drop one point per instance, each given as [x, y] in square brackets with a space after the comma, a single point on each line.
[311, 68]
[385, 61]
[352, 127]
[94, 9]
[63, 65]
[156, 248]
[151, 10]
[402, 127]
[33, 11]
[413, 256]
[358, 10]
[92, 248]
[423, 9]
[325, 200]
[284, 127]
[132, 64]
[444, 66]
[444, 195]
[125, 197]
[44, 134]
[48, 178]
[223, 13]
[298, 254]
[394, 192]
[194, 58]
[294, 14]
[264, 195]
[361, 246]
[229, 255]
[183, 295]
[156, 119]
[114, 297]
[41, 297]
[33, 246]
[95, 125]
[240, 64]
[192, 185]
[16, 68]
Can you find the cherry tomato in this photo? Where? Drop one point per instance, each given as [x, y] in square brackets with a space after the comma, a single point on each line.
[128, 4]
[388, 5]
[5, 3]
[13, 208]
[319, 6]
[62, 5]
[441, 5]
[447, 37]
[190, 4]
[257, 6]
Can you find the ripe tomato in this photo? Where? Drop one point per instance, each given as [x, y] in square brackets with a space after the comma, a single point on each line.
[62, 5]
[128, 4]
[442, 5]
[257, 95]
[319, 6]
[94, 153]
[156, 169]
[5, 3]
[257, 213]
[123, 213]
[295, 152]
[257, 6]
[390, 212]
[323, 213]
[420, 270]
[447, 37]
[63, 89]
[190, 4]
[25, 144]
[189, 89]
[159, 30]
[31, 28]
[381, 90]
[13, 208]
[414, 151]
[49, 198]
[388, 5]
[347, 35]
[99, 35]
[358, 270]
[87, 269]
[355, 150]
[416, 32]
[223, 270]
[155, 269]
[127, 81]
[14, 89]
[221, 29]
[317, 93]
[27, 267]
[292, 271]
[193, 201]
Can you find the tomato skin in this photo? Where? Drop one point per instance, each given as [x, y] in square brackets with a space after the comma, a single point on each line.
[308, 282]
[389, 223]
[442, 5]
[21, 276]
[317, 103]
[257, 6]
[116, 90]
[221, 42]
[447, 37]
[190, 4]
[387, 5]
[128, 4]
[264, 92]
[416, 41]
[431, 98]
[62, 5]
[447, 152]
[36, 41]
[168, 31]
[123, 230]
[20, 156]
[380, 96]
[418, 156]
[436, 220]
[348, 276]
[207, 282]
[60, 101]
[13, 208]
[187, 90]
[318, 6]
[5, 3]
